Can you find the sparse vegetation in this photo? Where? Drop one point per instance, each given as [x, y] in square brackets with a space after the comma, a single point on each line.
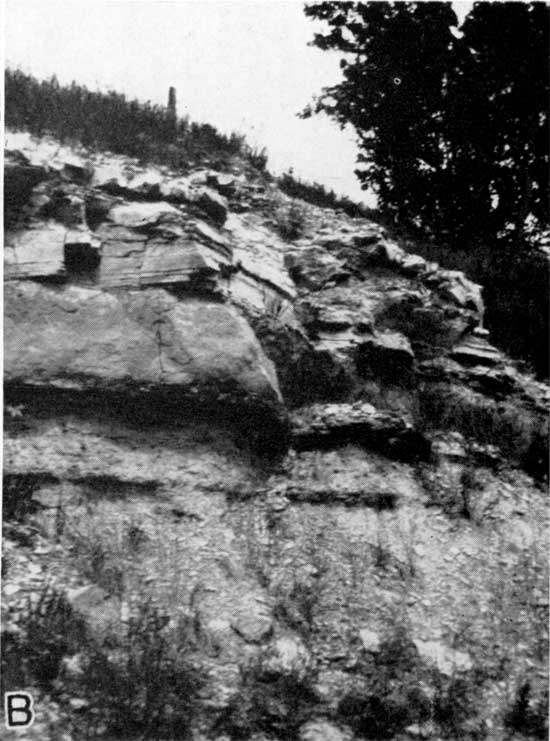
[457, 704]
[139, 683]
[17, 491]
[109, 121]
[296, 601]
[290, 221]
[47, 630]
[514, 431]
[318, 195]
[101, 563]
[399, 689]
[392, 697]
[174, 561]
[275, 706]
[529, 712]
[296, 588]
[150, 687]
[470, 490]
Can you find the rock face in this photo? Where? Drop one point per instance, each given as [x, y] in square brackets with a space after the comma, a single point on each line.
[90, 339]
[36, 253]
[330, 424]
[299, 468]
[193, 354]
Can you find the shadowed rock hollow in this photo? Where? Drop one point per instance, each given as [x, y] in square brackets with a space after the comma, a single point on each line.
[302, 458]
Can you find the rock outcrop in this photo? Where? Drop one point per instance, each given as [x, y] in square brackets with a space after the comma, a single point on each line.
[304, 459]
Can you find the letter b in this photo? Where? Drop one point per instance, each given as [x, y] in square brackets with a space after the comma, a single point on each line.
[18, 709]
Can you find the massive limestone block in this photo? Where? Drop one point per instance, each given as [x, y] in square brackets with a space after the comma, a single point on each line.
[131, 260]
[194, 352]
[140, 215]
[122, 253]
[177, 261]
[152, 244]
[35, 253]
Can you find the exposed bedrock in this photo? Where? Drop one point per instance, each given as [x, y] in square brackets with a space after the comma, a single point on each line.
[330, 425]
[181, 357]
[128, 281]
[304, 454]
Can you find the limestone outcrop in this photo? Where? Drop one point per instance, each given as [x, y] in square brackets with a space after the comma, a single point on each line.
[300, 464]
[81, 339]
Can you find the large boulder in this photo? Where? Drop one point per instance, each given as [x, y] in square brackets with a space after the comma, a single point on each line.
[191, 352]
[130, 259]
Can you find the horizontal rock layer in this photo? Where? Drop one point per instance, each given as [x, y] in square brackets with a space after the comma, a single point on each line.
[343, 313]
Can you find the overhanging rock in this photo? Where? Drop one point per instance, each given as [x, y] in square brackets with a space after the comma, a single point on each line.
[187, 356]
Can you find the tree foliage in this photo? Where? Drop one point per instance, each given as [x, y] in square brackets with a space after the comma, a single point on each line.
[452, 125]
[453, 134]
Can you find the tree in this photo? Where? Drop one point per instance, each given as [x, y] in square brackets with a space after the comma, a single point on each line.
[452, 125]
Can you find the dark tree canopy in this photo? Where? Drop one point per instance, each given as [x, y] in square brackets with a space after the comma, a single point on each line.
[452, 125]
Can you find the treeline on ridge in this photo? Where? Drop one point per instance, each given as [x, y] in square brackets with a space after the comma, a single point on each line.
[110, 121]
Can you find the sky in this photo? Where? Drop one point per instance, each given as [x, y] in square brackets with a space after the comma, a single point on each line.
[240, 65]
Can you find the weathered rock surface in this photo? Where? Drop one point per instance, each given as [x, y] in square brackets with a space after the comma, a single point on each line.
[476, 351]
[162, 342]
[82, 340]
[447, 660]
[322, 730]
[314, 268]
[36, 253]
[344, 313]
[331, 424]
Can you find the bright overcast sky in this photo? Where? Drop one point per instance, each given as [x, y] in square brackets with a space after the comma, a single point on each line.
[239, 65]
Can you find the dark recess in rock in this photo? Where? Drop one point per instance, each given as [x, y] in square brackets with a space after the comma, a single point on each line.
[81, 261]
[257, 425]
[406, 446]
[19, 181]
